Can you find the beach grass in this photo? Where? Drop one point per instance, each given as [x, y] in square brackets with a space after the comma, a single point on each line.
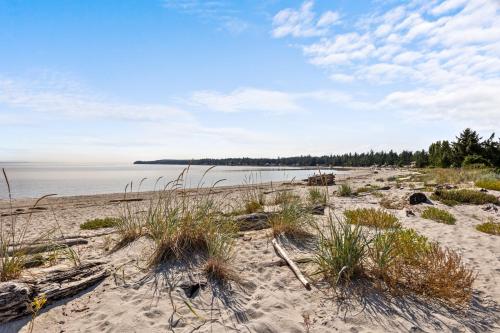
[345, 190]
[464, 196]
[438, 215]
[99, 223]
[489, 227]
[371, 217]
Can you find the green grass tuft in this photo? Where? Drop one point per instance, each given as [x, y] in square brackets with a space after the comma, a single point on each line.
[490, 184]
[490, 227]
[454, 197]
[107, 222]
[438, 215]
[345, 190]
[371, 217]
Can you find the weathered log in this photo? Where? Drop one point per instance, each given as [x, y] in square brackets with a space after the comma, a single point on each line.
[254, 221]
[126, 200]
[325, 180]
[317, 210]
[45, 247]
[15, 296]
[282, 253]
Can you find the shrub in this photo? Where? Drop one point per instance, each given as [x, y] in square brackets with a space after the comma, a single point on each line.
[341, 251]
[452, 197]
[475, 161]
[490, 184]
[292, 221]
[107, 222]
[345, 190]
[490, 227]
[372, 218]
[317, 196]
[438, 215]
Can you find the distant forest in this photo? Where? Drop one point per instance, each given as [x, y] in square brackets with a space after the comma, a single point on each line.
[467, 150]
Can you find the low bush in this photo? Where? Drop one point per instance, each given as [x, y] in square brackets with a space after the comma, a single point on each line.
[489, 183]
[454, 197]
[345, 190]
[438, 215]
[371, 217]
[490, 227]
[391, 203]
[107, 222]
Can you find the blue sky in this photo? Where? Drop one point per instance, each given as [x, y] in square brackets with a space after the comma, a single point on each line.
[117, 81]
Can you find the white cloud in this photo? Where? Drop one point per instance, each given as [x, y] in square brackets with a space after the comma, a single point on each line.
[246, 99]
[64, 99]
[303, 22]
[440, 56]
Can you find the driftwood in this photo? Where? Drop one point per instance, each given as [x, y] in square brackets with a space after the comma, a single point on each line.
[45, 247]
[282, 253]
[15, 296]
[126, 200]
[325, 180]
[254, 221]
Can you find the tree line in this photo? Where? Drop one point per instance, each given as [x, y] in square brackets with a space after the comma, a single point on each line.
[468, 149]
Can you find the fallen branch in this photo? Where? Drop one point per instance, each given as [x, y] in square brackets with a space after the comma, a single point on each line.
[45, 247]
[282, 253]
[15, 296]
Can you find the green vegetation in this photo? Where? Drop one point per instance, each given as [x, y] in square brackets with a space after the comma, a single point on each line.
[371, 217]
[291, 221]
[107, 222]
[317, 195]
[367, 189]
[345, 190]
[438, 215]
[489, 183]
[490, 227]
[463, 196]
[341, 251]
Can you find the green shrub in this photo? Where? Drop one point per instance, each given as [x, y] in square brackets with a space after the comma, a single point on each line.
[475, 161]
[438, 215]
[107, 222]
[345, 190]
[453, 197]
[490, 227]
[342, 248]
[490, 184]
[372, 218]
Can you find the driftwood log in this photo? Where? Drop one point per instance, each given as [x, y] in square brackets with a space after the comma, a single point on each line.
[321, 180]
[254, 221]
[45, 247]
[282, 253]
[16, 296]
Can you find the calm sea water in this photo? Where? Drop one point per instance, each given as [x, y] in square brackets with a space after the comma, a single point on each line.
[31, 180]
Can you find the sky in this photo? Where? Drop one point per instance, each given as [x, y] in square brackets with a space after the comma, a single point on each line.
[126, 80]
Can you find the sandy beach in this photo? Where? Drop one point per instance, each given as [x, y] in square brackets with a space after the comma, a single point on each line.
[267, 296]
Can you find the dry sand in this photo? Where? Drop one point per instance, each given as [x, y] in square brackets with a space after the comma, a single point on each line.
[269, 297]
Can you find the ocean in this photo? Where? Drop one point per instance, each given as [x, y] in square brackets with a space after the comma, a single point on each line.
[33, 180]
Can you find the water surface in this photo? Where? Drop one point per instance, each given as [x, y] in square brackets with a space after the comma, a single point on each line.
[32, 180]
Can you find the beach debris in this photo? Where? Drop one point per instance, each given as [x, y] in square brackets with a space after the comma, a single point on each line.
[253, 221]
[282, 253]
[490, 207]
[45, 247]
[126, 200]
[384, 188]
[317, 210]
[418, 198]
[483, 190]
[409, 213]
[56, 284]
[324, 180]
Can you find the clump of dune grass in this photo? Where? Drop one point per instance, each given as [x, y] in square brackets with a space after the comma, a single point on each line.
[341, 251]
[292, 221]
[367, 189]
[438, 215]
[252, 196]
[453, 175]
[220, 239]
[464, 196]
[317, 195]
[489, 183]
[490, 227]
[99, 223]
[371, 217]
[345, 190]
[284, 197]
